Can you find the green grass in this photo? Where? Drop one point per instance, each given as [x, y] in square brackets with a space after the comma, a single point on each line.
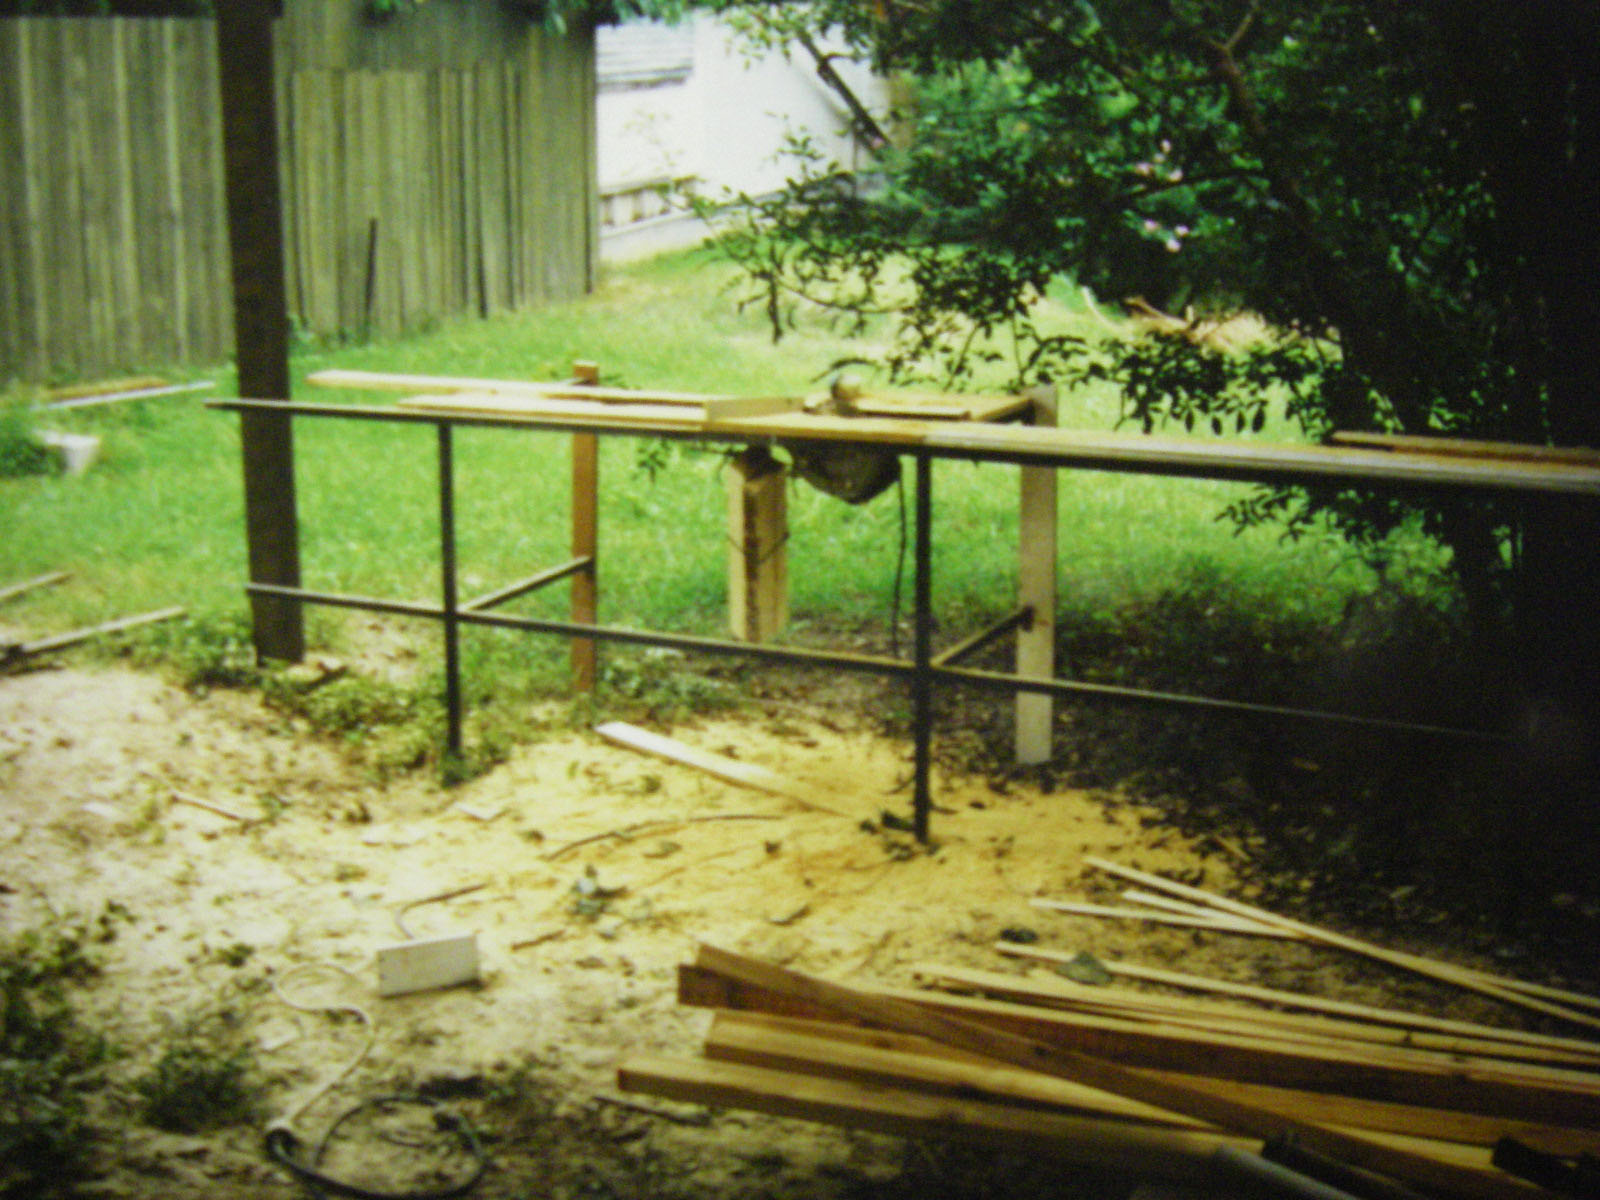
[159, 521]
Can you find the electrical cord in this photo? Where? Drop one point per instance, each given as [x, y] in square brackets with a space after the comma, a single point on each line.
[282, 1144]
[350, 1010]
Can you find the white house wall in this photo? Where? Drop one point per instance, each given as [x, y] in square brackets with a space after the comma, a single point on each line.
[721, 127]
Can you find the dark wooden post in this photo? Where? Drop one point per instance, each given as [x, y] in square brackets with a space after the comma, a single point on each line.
[260, 314]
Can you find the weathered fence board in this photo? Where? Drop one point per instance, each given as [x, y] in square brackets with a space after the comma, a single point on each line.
[423, 180]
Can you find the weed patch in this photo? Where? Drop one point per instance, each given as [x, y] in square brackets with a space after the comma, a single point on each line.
[21, 451]
[203, 1079]
[47, 1057]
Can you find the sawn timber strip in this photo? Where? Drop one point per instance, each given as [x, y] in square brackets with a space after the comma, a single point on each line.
[1103, 1073]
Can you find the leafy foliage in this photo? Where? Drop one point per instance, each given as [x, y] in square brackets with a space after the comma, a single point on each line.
[1405, 192]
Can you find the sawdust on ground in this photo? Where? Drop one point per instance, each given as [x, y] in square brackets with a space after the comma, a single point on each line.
[595, 871]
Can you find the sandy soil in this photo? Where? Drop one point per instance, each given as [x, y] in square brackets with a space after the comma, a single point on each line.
[594, 871]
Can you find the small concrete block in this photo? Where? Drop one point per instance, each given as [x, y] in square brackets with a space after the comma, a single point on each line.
[76, 451]
[424, 964]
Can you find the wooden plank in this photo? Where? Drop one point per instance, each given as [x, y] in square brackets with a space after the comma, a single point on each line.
[1557, 1048]
[1356, 1035]
[1460, 976]
[61, 641]
[13, 186]
[915, 1064]
[126, 230]
[1113, 1144]
[199, 196]
[1108, 1075]
[1218, 924]
[27, 585]
[1467, 447]
[944, 406]
[610, 415]
[883, 1058]
[720, 406]
[730, 770]
[1241, 459]
[1257, 1060]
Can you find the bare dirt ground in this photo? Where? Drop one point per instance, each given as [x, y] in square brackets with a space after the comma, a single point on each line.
[595, 870]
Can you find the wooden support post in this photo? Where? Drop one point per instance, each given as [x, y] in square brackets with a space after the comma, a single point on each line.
[585, 606]
[758, 531]
[1036, 588]
[260, 314]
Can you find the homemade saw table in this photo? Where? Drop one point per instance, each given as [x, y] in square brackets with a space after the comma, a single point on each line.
[1018, 430]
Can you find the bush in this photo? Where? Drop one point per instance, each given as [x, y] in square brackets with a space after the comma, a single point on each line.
[21, 451]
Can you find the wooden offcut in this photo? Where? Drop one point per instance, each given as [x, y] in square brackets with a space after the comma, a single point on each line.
[730, 770]
[1507, 990]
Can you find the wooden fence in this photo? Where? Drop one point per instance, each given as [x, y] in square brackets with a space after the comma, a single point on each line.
[409, 194]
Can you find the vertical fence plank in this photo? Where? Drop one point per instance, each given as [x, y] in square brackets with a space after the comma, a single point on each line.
[13, 247]
[113, 247]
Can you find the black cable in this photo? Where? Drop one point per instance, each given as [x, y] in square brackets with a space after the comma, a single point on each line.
[281, 1144]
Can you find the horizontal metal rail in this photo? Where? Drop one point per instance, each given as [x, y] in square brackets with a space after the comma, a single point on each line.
[1080, 689]
[689, 643]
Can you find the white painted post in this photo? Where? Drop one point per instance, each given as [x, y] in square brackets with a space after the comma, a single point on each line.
[1036, 588]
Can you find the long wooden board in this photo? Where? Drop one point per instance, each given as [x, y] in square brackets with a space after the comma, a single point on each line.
[1066, 448]
[883, 1058]
[1476, 981]
[721, 766]
[1110, 1075]
[1144, 1045]
[1466, 447]
[443, 385]
[1166, 1153]
[1480, 1039]
[577, 405]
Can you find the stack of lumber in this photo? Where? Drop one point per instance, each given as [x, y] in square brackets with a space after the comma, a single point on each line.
[1160, 1085]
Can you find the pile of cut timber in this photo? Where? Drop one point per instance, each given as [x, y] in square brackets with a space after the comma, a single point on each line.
[1157, 1085]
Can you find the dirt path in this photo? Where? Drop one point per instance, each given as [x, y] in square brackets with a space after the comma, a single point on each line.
[115, 787]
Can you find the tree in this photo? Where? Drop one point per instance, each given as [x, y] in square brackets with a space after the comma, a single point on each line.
[1406, 190]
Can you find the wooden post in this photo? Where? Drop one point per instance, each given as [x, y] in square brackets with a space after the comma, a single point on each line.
[585, 540]
[260, 314]
[758, 532]
[1036, 589]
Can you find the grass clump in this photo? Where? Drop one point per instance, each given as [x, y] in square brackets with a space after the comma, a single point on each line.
[21, 451]
[204, 1079]
[47, 1059]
